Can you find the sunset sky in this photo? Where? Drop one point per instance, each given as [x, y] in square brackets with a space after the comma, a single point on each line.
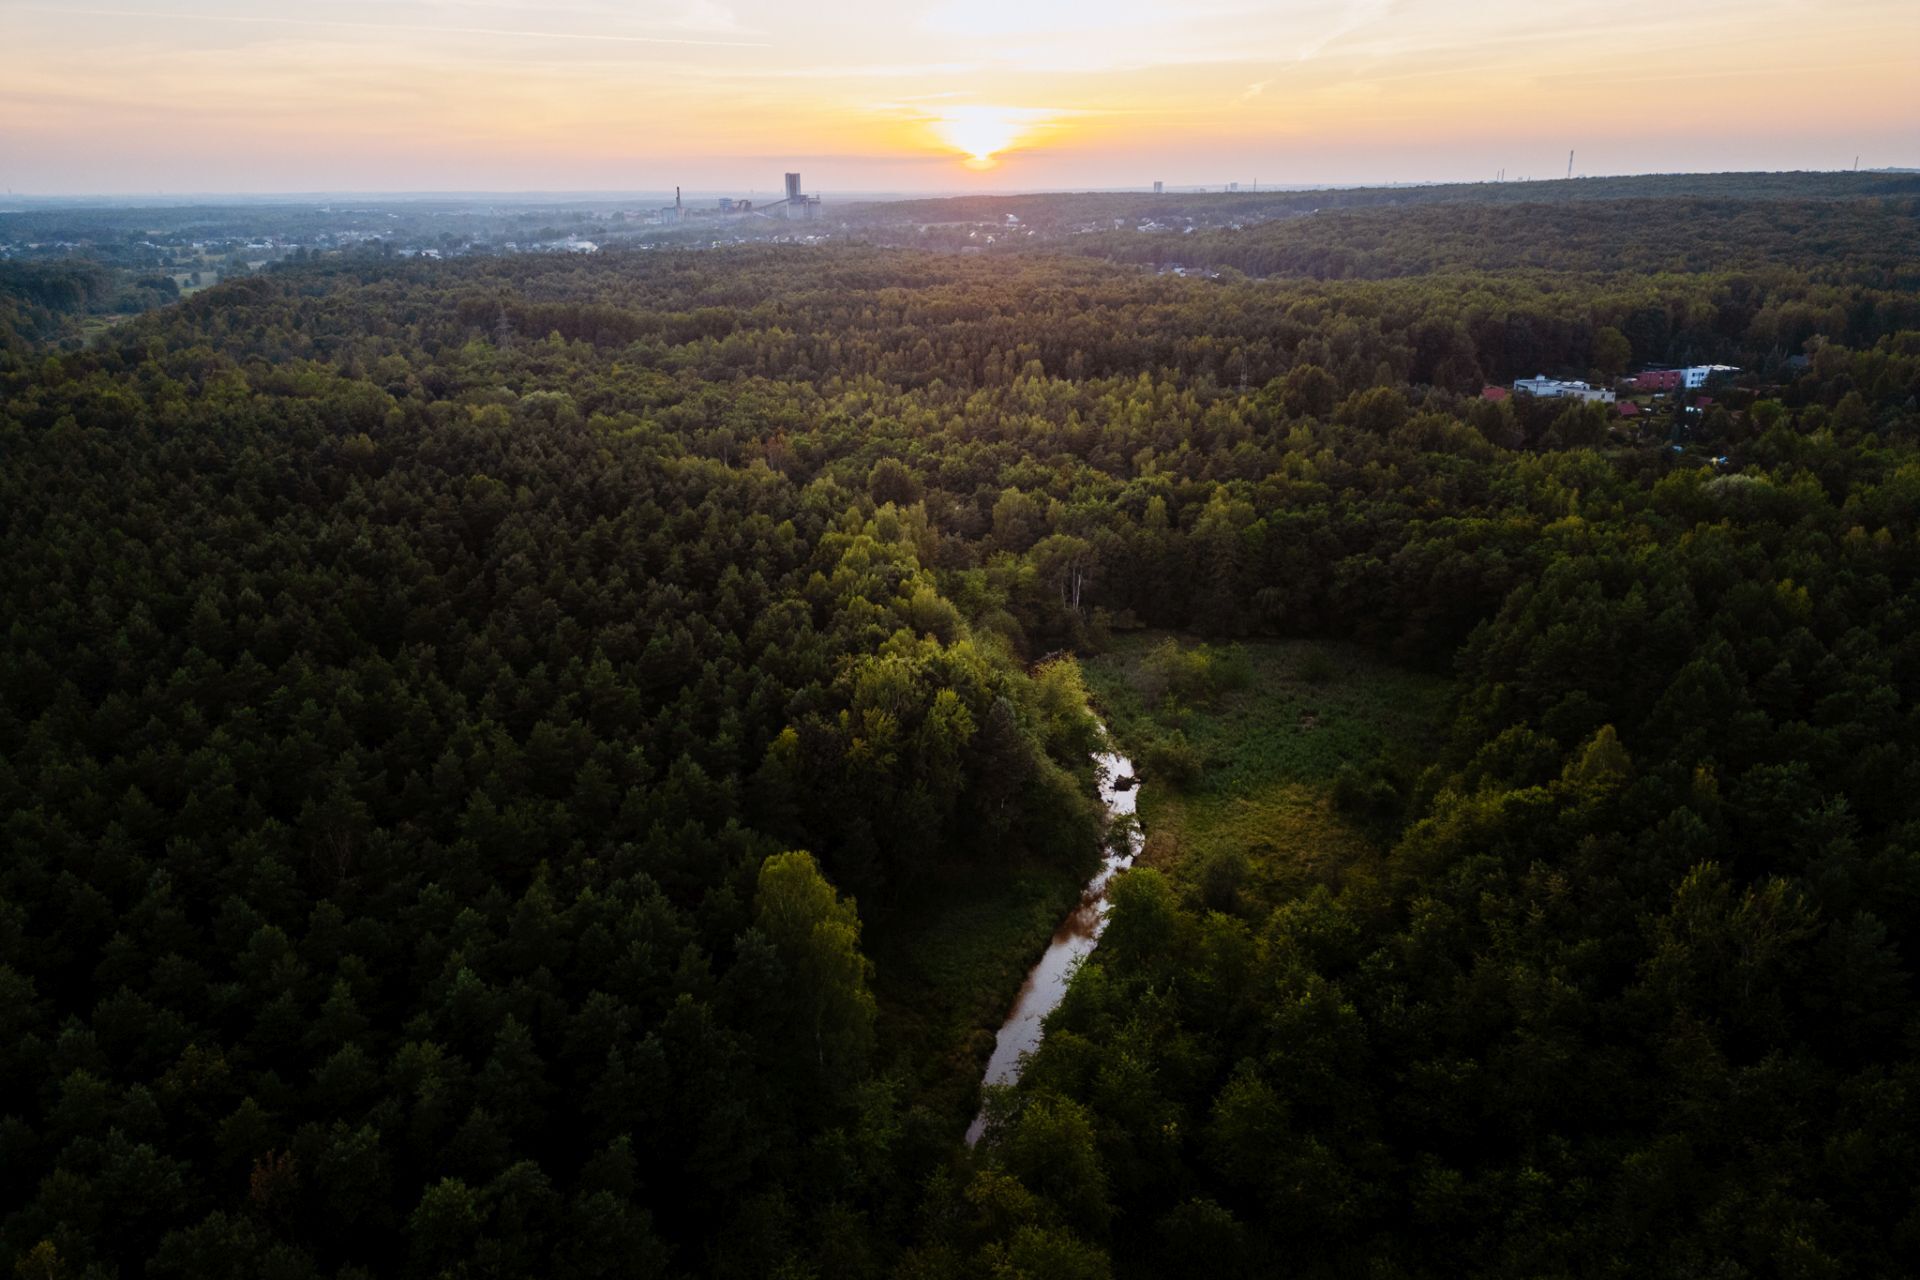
[127, 96]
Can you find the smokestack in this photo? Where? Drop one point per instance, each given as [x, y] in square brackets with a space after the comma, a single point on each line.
[678, 212]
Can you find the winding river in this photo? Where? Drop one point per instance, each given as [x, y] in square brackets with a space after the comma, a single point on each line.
[1077, 935]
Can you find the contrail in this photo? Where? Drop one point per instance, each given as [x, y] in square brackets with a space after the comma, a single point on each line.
[256, 20]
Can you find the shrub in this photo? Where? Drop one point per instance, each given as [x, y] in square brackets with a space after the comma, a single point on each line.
[1185, 673]
[1173, 760]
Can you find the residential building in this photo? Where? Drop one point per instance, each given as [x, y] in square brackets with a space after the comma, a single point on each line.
[1697, 375]
[1555, 389]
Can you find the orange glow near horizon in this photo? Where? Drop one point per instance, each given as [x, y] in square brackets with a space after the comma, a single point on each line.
[271, 95]
[981, 133]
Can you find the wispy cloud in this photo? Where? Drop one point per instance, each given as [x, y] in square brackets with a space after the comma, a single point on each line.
[689, 15]
[609, 37]
[1354, 16]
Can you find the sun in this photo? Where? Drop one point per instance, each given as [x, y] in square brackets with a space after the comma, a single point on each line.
[982, 132]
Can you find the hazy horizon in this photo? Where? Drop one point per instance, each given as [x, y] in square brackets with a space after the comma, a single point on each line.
[849, 196]
[938, 97]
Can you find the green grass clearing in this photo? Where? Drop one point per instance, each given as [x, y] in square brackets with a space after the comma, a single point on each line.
[1267, 727]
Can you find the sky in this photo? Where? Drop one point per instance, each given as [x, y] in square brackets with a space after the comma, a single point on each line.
[265, 96]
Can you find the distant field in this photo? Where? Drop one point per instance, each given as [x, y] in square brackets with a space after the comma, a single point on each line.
[1267, 751]
[89, 328]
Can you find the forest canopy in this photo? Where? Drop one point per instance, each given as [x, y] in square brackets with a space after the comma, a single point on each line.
[463, 723]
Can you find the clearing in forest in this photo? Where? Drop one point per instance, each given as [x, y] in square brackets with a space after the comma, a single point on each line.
[1242, 747]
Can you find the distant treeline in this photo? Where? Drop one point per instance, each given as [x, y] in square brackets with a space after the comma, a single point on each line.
[1051, 211]
[1866, 241]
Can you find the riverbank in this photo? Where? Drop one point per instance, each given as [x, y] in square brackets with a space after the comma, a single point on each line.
[1075, 937]
[952, 948]
[947, 963]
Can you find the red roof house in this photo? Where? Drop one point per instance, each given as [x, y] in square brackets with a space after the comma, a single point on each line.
[1494, 393]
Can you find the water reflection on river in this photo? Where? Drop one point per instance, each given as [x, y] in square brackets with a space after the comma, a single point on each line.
[1077, 935]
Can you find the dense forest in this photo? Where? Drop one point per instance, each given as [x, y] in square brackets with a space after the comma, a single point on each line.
[463, 724]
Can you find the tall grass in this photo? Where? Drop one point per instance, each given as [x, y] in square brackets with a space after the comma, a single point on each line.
[1240, 750]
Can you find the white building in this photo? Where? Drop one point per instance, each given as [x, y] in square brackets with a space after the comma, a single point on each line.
[1695, 376]
[1554, 389]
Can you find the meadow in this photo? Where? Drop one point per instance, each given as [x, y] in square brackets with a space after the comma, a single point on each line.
[1240, 748]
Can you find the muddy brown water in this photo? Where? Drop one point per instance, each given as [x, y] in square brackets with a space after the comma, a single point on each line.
[1076, 937]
